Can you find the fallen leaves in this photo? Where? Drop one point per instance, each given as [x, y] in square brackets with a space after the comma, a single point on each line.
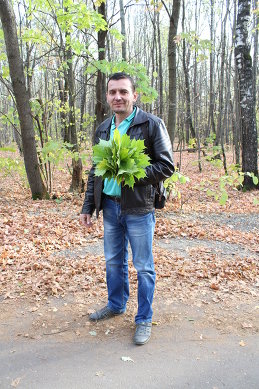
[166, 228]
[214, 286]
[44, 251]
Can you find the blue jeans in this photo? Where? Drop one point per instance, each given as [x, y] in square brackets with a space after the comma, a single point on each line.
[138, 230]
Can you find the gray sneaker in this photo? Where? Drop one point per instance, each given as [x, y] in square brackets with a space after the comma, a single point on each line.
[102, 314]
[142, 333]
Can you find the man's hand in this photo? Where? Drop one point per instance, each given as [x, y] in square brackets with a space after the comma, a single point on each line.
[85, 219]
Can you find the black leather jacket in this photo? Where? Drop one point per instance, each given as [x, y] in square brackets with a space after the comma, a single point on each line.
[140, 199]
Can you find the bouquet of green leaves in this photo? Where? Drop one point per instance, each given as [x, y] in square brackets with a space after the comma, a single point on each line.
[121, 158]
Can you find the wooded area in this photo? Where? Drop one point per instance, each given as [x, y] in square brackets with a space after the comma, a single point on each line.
[196, 67]
[195, 64]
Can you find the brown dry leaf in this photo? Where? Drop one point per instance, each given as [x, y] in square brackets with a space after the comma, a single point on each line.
[214, 286]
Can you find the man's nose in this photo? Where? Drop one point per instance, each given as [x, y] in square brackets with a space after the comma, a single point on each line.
[118, 96]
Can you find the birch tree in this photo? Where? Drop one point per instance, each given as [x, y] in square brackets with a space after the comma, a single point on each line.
[246, 95]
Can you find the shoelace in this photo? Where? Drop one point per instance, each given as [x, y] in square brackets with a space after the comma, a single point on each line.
[143, 329]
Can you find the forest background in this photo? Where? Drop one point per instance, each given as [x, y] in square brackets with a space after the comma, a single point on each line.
[196, 66]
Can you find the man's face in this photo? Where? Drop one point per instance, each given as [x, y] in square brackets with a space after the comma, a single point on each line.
[120, 96]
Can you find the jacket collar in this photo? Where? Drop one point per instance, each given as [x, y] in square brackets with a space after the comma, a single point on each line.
[140, 117]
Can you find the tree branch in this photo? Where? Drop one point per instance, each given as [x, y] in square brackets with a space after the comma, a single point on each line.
[167, 10]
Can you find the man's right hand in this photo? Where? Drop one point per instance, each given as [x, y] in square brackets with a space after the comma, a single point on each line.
[85, 219]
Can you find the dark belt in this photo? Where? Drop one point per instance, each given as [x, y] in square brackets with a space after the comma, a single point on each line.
[116, 199]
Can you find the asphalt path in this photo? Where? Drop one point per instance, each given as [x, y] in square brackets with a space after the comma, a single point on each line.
[177, 357]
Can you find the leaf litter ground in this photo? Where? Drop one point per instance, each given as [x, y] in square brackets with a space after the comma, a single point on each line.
[53, 270]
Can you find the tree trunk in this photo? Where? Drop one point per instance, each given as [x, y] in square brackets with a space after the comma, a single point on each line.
[246, 96]
[123, 32]
[63, 96]
[236, 111]
[160, 72]
[255, 57]
[211, 122]
[195, 91]
[100, 107]
[189, 125]
[83, 99]
[22, 101]
[76, 184]
[174, 18]
[221, 108]
[153, 59]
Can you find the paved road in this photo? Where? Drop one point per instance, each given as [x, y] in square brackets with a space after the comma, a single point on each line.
[177, 357]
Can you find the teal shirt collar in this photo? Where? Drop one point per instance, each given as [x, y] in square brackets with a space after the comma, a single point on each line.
[128, 119]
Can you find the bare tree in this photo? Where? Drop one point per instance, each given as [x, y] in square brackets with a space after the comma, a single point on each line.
[123, 32]
[222, 106]
[189, 124]
[211, 122]
[22, 100]
[160, 71]
[101, 107]
[76, 184]
[174, 19]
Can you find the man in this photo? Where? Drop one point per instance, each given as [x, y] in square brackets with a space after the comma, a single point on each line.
[128, 214]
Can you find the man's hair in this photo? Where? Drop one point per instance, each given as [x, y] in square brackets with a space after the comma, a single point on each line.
[120, 76]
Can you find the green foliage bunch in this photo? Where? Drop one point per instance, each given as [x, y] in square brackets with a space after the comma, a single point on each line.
[121, 158]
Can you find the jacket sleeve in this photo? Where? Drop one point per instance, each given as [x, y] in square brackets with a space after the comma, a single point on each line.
[160, 151]
[89, 204]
